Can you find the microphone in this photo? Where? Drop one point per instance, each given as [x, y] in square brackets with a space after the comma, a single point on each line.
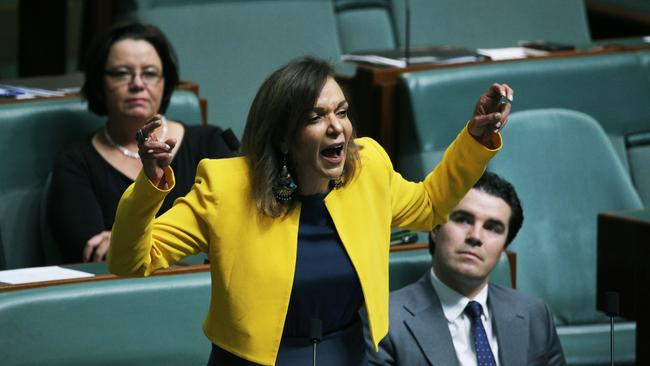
[611, 309]
[315, 335]
[407, 33]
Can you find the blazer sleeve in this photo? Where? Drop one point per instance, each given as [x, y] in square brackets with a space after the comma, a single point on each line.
[423, 205]
[141, 244]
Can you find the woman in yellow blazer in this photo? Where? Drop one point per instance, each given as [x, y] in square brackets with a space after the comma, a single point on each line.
[297, 229]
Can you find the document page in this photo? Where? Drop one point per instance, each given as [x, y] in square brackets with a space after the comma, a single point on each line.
[38, 274]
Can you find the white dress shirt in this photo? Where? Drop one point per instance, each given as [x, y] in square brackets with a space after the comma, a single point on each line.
[460, 326]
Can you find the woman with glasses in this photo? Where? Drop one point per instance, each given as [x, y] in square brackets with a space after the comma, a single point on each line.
[131, 72]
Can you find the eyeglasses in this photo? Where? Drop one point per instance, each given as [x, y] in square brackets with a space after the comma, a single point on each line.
[121, 76]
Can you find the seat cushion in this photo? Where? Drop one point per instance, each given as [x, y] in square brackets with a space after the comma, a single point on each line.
[434, 105]
[590, 344]
[137, 321]
[565, 172]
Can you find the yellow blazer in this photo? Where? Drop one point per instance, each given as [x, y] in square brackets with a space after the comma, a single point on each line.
[253, 257]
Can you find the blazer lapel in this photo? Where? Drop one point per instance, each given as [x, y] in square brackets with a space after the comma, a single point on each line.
[511, 329]
[429, 325]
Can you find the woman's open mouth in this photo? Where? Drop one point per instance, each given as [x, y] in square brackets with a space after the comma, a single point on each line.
[333, 154]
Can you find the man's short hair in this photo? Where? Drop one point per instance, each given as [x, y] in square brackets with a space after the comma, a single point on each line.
[496, 186]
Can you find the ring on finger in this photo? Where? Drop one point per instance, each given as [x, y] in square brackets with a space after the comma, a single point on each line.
[504, 100]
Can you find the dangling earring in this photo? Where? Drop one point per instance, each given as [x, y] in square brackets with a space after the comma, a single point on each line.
[283, 190]
[337, 183]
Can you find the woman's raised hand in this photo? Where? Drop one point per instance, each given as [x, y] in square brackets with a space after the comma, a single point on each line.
[491, 114]
[155, 155]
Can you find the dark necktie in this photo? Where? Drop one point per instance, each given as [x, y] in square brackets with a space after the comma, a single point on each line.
[484, 355]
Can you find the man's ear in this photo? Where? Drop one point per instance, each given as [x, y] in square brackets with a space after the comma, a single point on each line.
[432, 240]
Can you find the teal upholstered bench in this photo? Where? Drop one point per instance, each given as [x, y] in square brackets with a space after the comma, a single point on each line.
[474, 23]
[364, 25]
[130, 321]
[381, 24]
[566, 172]
[614, 88]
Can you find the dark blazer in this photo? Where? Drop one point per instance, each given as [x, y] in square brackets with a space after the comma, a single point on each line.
[419, 335]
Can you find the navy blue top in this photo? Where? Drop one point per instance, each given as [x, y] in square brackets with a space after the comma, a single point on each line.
[325, 284]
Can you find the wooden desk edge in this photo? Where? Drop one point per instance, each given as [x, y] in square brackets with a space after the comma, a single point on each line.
[386, 74]
[175, 270]
[620, 215]
[180, 269]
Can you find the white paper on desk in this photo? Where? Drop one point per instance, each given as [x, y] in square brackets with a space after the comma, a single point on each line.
[38, 274]
[510, 53]
[26, 93]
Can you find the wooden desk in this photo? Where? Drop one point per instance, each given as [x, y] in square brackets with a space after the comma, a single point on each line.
[373, 89]
[624, 267]
[102, 274]
[618, 18]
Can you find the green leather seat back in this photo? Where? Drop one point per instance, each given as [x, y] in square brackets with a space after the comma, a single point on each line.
[406, 267]
[136, 321]
[638, 148]
[20, 228]
[184, 106]
[35, 132]
[38, 130]
[230, 46]
[434, 105]
[638, 144]
[3, 262]
[565, 171]
[364, 25]
[487, 24]
[588, 345]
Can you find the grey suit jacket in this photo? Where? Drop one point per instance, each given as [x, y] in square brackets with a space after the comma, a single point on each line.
[419, 335]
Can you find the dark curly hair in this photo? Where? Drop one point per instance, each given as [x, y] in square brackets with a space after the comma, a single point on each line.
[93, 88]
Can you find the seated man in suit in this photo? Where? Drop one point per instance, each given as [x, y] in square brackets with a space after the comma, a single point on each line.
[452, 315]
